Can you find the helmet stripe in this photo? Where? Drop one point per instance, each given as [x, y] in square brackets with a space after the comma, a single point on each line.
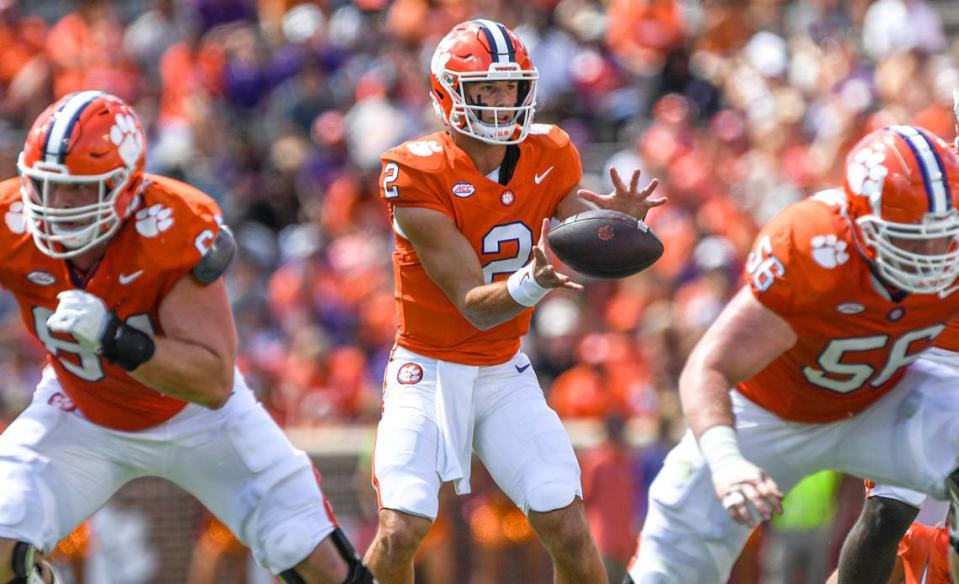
[501, 48]
[55, 147]
[938, 195]
[510, 48]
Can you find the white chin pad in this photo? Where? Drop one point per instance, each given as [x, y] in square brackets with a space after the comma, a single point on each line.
[73, 238]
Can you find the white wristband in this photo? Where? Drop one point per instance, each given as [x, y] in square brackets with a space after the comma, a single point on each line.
[720, 447]
[524, 288]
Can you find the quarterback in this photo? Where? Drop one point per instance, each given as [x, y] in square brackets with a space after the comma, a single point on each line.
[845, 291]
[117, 273]
[470, 208]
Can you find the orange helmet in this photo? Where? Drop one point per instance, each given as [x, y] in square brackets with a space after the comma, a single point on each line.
[483, 50]
[901, 183]
[85, 138]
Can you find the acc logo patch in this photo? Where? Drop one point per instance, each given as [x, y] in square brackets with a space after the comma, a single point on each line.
[41, 278]
[851, 308]
[463, 189]
[409, 373]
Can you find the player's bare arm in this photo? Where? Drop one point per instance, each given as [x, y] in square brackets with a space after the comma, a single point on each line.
[194, 359]
[745, 338]
[451, 263]
[627, 199]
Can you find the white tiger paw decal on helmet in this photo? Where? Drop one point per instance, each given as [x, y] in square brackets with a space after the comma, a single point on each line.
[14, 218]
[127, 137]
[154, 220]
[828, 251]
[866, 173]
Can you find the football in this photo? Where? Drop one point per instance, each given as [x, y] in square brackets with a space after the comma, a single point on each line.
[605, 244]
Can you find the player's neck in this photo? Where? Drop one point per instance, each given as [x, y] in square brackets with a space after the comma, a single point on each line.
[486, 157]
[85, 262]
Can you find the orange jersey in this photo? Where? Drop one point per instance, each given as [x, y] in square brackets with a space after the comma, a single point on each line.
[156, 246]
[924, 552]
[502, 223]
[855, 339]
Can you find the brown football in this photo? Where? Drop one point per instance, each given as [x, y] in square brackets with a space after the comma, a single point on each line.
[605, 244]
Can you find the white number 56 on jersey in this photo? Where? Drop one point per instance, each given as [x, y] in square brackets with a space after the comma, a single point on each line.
[835, 375]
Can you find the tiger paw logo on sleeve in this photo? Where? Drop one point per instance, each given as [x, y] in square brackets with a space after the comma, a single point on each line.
[14, 218]
[828, 251]
[154, 220]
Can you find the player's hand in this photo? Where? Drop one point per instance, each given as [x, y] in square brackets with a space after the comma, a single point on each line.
[544, 271]
[626, 200]
[82, 315]
[746, 489]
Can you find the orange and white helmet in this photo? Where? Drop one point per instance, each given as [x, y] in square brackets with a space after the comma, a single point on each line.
[89, 137]
[483, 50]
[901, 186]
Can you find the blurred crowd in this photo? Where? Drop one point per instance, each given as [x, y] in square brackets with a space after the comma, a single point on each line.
[279, 109]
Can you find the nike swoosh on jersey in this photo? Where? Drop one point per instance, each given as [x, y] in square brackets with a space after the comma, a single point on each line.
[523, 368]
[539, 177]
[127, 278]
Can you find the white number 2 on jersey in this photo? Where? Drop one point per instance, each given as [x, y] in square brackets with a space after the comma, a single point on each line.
[493, 243]
[858, 373]
[90, 368]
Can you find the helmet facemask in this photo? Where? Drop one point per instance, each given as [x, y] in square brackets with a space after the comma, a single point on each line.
[60, 232]
[920, 258]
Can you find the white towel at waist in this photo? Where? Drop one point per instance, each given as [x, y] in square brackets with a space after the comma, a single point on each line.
[454, 416]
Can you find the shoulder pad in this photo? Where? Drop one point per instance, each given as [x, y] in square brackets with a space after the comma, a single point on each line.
[217, 257]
